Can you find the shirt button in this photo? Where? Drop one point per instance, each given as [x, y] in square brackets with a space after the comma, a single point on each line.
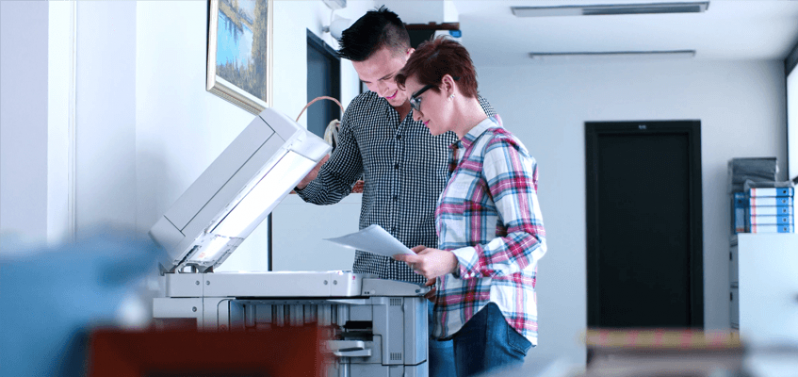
[396, 166]
[398, 137]
[395, 197]
[393, 229]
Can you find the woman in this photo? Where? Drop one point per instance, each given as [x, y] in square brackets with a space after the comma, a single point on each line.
[490, 229]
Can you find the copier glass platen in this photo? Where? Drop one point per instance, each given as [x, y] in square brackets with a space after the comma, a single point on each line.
[376, 327]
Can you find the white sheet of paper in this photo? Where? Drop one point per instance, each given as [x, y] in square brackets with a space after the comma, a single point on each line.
[373, 239]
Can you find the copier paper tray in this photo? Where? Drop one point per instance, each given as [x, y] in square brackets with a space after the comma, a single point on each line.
[377, 327]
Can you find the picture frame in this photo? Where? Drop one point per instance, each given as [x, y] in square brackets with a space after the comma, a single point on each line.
[239, 55]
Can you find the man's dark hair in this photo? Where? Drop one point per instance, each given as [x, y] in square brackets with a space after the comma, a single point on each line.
[377, 29]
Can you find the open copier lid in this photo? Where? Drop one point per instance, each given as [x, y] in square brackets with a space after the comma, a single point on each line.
[237, 191]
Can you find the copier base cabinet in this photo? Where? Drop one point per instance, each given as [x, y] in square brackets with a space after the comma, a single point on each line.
[376, 327]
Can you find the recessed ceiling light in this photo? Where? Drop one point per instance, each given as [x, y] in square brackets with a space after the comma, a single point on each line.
[615, 55]
[610, 9]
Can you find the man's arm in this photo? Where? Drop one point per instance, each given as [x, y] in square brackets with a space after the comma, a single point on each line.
[312, 175]
[332, 179]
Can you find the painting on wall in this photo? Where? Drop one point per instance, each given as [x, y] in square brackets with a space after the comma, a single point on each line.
[240, 52]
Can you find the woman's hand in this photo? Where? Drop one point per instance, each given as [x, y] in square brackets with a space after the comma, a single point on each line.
[431, 263]
[432, 292]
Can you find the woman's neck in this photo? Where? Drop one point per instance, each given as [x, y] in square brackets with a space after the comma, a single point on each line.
[470, 115]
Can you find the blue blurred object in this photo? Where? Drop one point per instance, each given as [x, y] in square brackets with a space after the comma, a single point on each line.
[50, 298]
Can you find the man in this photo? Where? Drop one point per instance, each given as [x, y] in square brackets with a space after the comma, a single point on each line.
[404, 167]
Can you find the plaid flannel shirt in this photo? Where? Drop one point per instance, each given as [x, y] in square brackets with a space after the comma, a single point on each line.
[489, 217]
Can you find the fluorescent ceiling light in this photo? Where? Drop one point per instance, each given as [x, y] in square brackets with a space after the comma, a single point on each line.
[610, 9]
[620, 55]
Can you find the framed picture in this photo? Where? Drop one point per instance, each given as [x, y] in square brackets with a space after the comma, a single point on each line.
[240, 52]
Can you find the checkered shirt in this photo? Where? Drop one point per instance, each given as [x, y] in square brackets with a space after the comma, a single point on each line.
[404, 168]
[489, 217]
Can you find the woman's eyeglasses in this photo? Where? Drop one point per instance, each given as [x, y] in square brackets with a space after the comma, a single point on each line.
[415, 102]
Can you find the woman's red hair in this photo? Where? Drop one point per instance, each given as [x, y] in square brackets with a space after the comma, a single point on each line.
[436, 58]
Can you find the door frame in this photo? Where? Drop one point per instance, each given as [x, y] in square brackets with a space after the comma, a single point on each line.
[319, 44]
[692, 128]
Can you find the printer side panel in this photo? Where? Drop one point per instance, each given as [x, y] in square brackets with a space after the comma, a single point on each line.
[416, 333]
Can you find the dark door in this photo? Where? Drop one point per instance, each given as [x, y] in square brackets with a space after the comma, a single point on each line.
[644, 233]
[324, 79]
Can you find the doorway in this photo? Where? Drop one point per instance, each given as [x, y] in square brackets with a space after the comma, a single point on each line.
[324, 79]
[644, 224]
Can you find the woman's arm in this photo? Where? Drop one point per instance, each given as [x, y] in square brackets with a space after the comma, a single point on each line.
[511, 176]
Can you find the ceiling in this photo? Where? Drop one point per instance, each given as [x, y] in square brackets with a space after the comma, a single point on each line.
[728, 30]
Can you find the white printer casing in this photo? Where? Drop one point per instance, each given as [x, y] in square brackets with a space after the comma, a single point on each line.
[376, 327]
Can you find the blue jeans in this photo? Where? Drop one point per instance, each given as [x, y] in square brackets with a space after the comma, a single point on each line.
[441, 353]
[486, 342]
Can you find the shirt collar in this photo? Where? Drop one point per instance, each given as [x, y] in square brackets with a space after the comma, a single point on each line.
[477, 131]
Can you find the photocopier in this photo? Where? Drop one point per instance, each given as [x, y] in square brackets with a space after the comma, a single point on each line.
[377, 327]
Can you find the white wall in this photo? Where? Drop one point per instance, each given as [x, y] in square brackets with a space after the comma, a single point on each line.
[181, 128]
[60, 121]
[300, 229]
[741, 106]
[23, 119]
[418, 12]
[37, 93]
[105, 115]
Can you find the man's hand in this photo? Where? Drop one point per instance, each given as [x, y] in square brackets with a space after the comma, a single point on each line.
[313, 173]
[431, 263]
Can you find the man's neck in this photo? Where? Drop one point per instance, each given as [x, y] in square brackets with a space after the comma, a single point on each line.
[403, 110]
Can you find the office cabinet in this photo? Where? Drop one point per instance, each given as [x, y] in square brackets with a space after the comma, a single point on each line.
[763, 292]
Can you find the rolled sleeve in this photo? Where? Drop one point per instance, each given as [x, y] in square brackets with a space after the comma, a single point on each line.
[340, 173]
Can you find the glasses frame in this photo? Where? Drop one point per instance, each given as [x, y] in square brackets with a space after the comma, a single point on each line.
[415, 102]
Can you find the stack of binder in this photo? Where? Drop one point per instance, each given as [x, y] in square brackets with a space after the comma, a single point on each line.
[770, 210]
[754, 171]
[739, 213]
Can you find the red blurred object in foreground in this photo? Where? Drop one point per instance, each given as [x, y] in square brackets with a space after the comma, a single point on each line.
[278, 352]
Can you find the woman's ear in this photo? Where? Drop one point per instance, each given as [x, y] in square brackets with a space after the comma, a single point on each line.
[448, 86]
